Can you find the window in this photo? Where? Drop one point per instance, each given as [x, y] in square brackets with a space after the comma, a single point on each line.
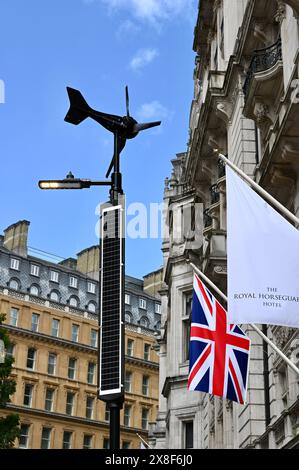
[91, 372]
[142, 303]
[55, 327]
[127, 299]
[14, 284]
[34, 270]
[91, 288]
[107, 413]
[75, 333]
[145, 385]
[34, 290]
[89, 407]
[52, 363]
[87, 441]
[91, 307]
[67, 440]
[14, 314]
[46, 437]
[14, 264]
[49, 399]
[130, 347]
[105, 443]
[73, 302]
[10, 350]
[72, 368]
[157, 308]
[69, 403]
[24, 436]
[126, 445]
[93, 338]
[188, 431]
[73, 282]
[128, 381]
[146, 352]
[34, 322]
[186, 325]
[54, 276]
[28, 390]
[127, 415]
[31, 354]
[128, 317]
[144, 418]
[54, 296]
[144, 322]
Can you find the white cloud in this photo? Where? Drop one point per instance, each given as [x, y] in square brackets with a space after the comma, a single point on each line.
[152, 10]
[153, 111]
[142, 58]
[128, 27]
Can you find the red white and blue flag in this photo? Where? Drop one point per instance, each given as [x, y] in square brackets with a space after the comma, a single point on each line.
[219, 351]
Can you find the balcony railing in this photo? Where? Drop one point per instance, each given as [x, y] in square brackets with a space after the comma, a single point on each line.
[262, 60]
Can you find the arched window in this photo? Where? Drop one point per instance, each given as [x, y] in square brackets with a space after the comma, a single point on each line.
[128, 317]
[34, 290]
[14, 284]
[54, 296]
[91, 307]
[73, 302]
[144, 322]
[158, 325]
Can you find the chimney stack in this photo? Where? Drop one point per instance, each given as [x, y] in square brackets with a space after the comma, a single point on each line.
[88, 262]
[15, 237]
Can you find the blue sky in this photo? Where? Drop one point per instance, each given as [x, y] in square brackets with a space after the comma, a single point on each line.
[97, 46]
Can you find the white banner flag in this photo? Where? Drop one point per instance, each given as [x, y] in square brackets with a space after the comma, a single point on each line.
[263, 259]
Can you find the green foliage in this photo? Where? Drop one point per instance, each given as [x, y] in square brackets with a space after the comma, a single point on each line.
[9, 430]
[9, 426]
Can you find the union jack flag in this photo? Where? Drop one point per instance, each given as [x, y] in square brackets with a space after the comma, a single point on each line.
[219, 351]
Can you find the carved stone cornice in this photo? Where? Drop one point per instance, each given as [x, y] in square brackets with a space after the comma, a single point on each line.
[282, 335]
[224, 110]
[220, 270]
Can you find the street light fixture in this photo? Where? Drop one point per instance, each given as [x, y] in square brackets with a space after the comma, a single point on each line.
[70, 182]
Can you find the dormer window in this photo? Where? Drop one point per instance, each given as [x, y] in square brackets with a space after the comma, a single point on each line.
[91, 287]
[54, 276]
[142, 303]
[34, 270]
[73, 282]
[34, 290]
[14, 264]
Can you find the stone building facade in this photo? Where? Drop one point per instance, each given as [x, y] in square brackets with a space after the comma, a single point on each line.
[246, 105]
[52, 319]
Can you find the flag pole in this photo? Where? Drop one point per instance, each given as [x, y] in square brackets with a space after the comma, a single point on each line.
[142, 440]
[259, 189]
[258, 331]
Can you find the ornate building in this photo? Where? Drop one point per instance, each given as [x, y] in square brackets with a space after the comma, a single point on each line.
[245, 104]
[52, 319]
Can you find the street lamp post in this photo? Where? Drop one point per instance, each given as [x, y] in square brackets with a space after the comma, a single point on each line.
[111, 351]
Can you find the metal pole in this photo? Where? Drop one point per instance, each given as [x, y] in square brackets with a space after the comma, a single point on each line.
[260, 190]
[255, 328]
[115, 406]
[114, 426]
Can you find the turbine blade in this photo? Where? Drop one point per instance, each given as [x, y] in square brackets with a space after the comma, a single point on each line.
[127, 101]
[143, 127]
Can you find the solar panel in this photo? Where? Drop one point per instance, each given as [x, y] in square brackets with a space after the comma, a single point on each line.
[111, 355]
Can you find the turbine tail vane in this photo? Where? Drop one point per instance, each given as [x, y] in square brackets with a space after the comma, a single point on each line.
[148, 125]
